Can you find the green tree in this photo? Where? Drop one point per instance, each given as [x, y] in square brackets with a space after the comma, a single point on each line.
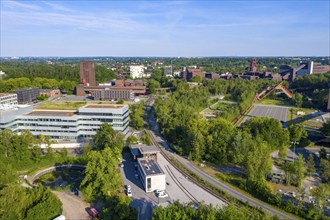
[102, 177]
[310, 165]
[132, 139]
[297, 132]
[106, 137]
[118, 208]
[325, 129]
[320, 193]
[146, 139]
[152, 85]
[297, 100]
[197, 79]
[325, 170]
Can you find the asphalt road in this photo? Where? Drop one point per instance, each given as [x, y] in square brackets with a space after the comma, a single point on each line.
[277, 112]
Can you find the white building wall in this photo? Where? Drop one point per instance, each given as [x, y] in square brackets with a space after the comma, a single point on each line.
[157, 182]
[8, 99]
[309, 70]
[136, 71]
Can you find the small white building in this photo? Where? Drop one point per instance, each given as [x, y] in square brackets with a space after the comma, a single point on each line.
[8, 99]
[136, 71]
[150, 173]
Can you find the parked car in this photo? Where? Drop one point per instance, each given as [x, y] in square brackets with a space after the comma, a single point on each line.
[162, 194]
[121, 165]
[129, 193]
[93, 212]
[128, 187]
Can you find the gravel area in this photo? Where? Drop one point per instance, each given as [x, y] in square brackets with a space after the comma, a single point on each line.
[74, 208]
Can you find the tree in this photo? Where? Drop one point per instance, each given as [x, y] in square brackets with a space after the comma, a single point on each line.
[118, 208]
[146, 139]
[106, 137]
[197, 79]
[310, 165]
[325, 129]
[102, 177]
[297, 132]
[297, 100]
[153, 85]
[136, 114]
[320, 192]
[132, 139]
[323, 153]
[325, 170]
[37, 203]
[299, 168]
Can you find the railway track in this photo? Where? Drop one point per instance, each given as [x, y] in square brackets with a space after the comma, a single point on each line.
[184, 173]
[190, 196]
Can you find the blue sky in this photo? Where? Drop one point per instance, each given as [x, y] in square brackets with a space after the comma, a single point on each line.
[164, 28]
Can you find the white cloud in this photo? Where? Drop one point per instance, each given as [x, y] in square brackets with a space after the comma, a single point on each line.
[57, 6]
[15, 4]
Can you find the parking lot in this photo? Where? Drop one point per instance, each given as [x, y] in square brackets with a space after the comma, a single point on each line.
[277, 112]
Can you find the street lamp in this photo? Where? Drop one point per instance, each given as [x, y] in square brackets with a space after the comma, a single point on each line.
[294, 146]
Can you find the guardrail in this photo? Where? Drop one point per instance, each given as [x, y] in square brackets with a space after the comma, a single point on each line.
[32, 178]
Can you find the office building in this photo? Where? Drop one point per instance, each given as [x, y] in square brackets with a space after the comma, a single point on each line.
[8, 99]
[63, 124]
[25, 96]
[136, 71]
[87, 73]
[150, 173]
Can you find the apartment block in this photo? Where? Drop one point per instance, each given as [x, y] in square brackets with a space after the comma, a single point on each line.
[8, 99]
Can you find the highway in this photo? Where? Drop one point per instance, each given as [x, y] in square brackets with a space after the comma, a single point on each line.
[154, 131]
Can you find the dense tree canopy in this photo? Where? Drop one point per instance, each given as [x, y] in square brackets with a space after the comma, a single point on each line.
[32, 204]
[203, 212]
[107, 137]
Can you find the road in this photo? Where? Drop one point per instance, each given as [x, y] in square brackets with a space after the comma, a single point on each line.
[74, 208]
[231, 191]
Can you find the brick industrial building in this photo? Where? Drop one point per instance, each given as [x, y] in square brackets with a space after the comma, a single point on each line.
[87, 73]
[123, 89]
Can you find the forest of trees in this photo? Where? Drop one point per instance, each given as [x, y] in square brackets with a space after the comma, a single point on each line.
[218, 141]
[313, 90]
[183, 211]
[102, 181]
[20, 154]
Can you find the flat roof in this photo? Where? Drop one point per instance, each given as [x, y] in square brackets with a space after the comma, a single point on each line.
[143, 149]
[6, 94]
[103, 106]
[150, 167]
[51, 113]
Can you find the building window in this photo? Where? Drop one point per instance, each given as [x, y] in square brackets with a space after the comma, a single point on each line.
[148, 184]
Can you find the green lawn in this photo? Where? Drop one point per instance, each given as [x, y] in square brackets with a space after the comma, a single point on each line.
[61, 105]
[275, 102]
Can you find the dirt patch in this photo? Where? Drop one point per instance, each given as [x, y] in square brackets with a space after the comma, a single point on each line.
[74, 208]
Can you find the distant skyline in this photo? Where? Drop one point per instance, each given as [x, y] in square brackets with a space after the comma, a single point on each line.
[164, 28]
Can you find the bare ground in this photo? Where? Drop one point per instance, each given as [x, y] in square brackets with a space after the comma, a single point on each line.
[74, 208]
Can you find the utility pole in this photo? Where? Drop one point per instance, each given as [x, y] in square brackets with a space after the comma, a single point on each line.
[294, 146]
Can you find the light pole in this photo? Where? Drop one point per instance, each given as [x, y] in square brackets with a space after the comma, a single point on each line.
[294, 146]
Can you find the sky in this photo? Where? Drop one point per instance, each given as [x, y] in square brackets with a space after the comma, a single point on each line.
[164, 28]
